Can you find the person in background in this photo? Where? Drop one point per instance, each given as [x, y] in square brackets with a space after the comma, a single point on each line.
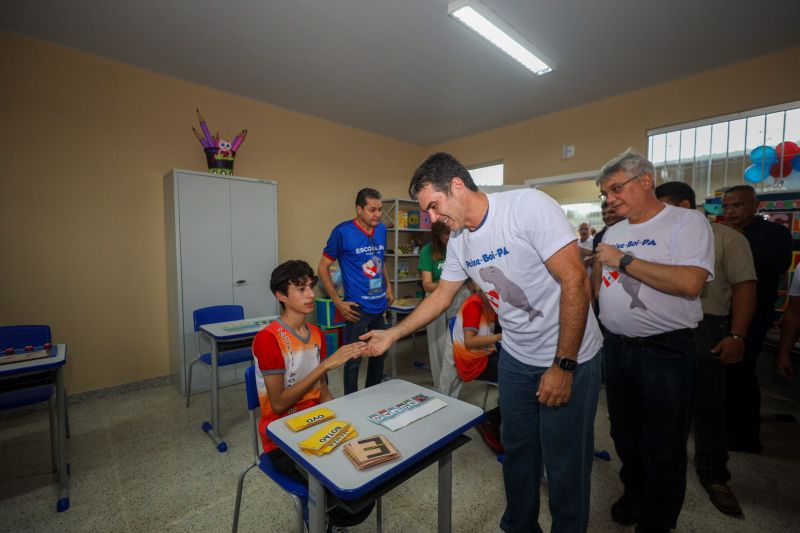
[649, 272]
[790, 330]
[359, 246]
[476, 354]
[728, 305]
[440, 348]
[290, 356]
[585, 243]
[771, 246]
[610, 218]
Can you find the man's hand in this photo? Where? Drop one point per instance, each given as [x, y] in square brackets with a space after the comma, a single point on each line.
[608, 255]
[349, 310]
[729, 351]
[555, 387]
[783, 365]
[344, 354]
[389, 296]
[378, 341]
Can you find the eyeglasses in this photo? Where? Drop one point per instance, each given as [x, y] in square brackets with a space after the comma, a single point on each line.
[616, 189]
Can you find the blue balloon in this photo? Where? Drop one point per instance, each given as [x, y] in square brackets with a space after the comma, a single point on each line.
[713, 207]
[764, 156]
[756, 173]
[796, 163]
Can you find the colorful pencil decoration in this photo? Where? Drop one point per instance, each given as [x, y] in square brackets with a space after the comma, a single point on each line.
[220, 153]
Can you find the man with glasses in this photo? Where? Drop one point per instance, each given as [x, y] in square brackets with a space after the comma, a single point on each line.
[519, 248]
[649, 272]
[359, 245]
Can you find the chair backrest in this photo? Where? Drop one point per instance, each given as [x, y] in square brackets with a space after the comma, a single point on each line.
[21, 336]
[451, 324]
[216, 313]
[250, 388]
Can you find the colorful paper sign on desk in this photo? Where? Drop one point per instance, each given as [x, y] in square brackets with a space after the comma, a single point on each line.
[408, 411]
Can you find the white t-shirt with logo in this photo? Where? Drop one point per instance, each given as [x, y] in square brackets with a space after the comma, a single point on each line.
[675, 236]
[505, 256]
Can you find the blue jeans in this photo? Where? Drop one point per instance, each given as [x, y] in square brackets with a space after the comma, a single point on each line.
[650, 391]
[352, 331]
[560, 438]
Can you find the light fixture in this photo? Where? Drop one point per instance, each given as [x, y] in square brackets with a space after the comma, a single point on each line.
[482, 21]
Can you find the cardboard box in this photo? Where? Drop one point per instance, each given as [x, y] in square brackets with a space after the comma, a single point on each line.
[331, 337]
[327, 316]
[413, 219]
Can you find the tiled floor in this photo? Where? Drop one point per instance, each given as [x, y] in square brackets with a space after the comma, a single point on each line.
[140, 463]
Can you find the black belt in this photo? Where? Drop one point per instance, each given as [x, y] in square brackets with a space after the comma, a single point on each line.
[659, 338]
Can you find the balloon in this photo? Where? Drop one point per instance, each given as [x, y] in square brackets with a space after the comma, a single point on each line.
[786, 150]
[763, 156]
[756, 173]
[796, 163]
[712, 207]
[777, 170]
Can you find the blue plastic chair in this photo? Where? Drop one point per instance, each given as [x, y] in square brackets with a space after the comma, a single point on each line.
[489, 384]
[14, 393]
[297, 491]
[212, 315]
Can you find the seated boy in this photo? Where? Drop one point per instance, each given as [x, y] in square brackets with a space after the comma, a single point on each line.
[290, 354]
[475, 354]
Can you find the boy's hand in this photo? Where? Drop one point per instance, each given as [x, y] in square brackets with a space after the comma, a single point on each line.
[344, 354]
[349, 310]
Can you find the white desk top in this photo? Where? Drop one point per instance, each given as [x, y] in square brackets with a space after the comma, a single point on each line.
[414, 441]
[235, 329]
[36, 365]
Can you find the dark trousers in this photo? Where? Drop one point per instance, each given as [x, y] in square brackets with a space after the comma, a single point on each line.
[710, 439]
[337, 516]
[650, 389]
[352, 331]
[743, 394]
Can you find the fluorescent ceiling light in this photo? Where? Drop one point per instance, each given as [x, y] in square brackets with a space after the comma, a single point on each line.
[479, 19]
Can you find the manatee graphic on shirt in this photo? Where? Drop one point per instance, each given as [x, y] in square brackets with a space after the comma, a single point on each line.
[630, 285]
[508, 291]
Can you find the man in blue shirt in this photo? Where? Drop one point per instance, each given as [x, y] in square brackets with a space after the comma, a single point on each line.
[359, 246]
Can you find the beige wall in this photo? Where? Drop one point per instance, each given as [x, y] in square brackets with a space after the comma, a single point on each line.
[599, 130]
[86, 142]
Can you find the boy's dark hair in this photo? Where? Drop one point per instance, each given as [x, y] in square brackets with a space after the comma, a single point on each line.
[365, 194]
[292, 272]
[677, 191]
[439, 170]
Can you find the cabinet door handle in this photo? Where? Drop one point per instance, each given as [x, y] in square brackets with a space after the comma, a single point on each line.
[241, 281]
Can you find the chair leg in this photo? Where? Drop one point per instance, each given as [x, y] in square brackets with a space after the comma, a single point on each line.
[486, 396]
[378, 516]
[189, 384]
[53, 436]
[66, 419]
[239, 487]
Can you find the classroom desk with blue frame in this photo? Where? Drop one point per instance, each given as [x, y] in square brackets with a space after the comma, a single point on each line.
[54, 363]
[423, 442]
[218, 336]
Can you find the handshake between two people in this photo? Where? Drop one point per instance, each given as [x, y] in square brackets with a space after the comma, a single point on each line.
[371, 344]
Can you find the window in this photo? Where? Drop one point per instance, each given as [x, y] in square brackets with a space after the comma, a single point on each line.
[584, 210]
[487, 175]
[714, 153]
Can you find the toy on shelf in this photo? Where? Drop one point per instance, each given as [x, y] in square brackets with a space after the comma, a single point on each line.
[220, 153]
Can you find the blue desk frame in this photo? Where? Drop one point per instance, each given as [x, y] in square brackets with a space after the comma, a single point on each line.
[433, 437]
[37, 366]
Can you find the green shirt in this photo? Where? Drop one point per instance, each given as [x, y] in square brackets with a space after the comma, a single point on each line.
[426, 262]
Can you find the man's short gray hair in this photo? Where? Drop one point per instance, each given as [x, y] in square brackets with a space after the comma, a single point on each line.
[630, 163]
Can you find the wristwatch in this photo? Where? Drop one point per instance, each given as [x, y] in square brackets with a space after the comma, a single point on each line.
[624, 261]
[736, 337]
[566, 364]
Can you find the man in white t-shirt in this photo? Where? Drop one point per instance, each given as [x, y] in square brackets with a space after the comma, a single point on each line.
[519, 247]
[586, 245]
[649, 272]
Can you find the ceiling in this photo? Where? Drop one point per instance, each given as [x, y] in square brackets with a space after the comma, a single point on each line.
[404, 68]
